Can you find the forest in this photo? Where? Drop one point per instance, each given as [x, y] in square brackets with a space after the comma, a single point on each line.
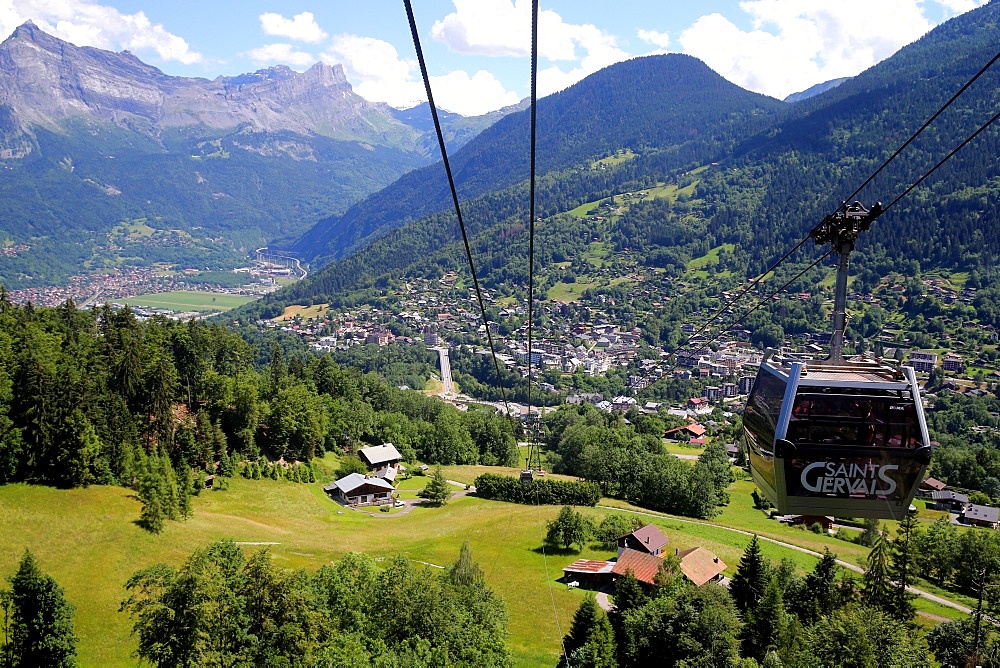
[98, 397]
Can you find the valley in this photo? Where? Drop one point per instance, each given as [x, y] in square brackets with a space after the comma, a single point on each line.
[164, 386]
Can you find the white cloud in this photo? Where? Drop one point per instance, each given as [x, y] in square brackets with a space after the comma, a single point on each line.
[793, 45]
[90, 24]
[503, 28]
[654, 37]
[302, 27]
[379, 74]
[471, 96]
[955, 7]
[280, 54]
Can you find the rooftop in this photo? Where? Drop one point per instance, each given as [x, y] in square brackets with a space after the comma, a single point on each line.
[379, 454]
[649, 536]
[352, 481]
[589, 566]
[700, 565]
[643, 566]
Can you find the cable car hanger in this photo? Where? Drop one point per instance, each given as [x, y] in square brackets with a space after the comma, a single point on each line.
[837, 436]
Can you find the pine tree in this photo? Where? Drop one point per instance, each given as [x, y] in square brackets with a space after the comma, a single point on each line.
[150, 494]
[629, 595]
[587, 622]
[821, 590]
[41, 629]
[902, 563]
[184, 492]
[599, 650]
[437, 490]
[766, 623]
[752, 576]
[169, 493]
[877, 589]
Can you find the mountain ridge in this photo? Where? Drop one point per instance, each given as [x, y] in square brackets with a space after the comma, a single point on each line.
[685, 104]
[91, 140]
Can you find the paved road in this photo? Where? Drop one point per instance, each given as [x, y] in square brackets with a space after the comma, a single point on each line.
[448, 388]
[913, 590]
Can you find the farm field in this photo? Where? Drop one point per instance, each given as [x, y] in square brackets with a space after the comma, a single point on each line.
[91, 545]
[188, 300]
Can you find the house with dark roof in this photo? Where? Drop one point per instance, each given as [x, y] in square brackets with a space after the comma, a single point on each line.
[643, 565]
[700, 565]
[951, 500]
[648, 539]
[379, 456]
[982, 516]
[360, 490]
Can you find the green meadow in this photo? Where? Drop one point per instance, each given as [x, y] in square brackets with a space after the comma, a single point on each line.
[87, 539]
[188, 300]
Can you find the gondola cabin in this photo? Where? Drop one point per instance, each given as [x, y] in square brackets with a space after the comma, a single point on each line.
[847, 439]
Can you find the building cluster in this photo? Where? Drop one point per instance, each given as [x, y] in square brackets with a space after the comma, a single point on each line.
[94, 289]
[957, 504]
[641, 552]
[375, 488]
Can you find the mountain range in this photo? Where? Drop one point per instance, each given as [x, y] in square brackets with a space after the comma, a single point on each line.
[91, 140]
[767, 171]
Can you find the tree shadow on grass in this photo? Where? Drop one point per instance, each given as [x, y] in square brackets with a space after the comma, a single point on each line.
[556, 551]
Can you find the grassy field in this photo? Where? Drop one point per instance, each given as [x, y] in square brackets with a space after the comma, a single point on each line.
[711, 258]
[88, 541]
[675, 448]
[187, 300]
[567, 292]
[304, 312]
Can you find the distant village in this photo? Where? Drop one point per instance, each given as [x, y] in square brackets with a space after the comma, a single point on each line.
[438, 313]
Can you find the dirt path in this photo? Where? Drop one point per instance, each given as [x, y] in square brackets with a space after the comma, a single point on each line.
[410, 505]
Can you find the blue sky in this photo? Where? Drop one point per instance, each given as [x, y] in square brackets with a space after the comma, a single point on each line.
[477, 50]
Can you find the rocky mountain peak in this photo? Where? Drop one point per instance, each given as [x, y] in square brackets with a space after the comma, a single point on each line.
[45, 81]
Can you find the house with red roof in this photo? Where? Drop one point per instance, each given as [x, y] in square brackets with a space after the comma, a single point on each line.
[643, 565]
[688, 432]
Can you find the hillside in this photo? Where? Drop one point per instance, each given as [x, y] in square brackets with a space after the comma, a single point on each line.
[769, 172]
[669, 109]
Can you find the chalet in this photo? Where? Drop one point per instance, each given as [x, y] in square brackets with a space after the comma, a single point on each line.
[685, 433]
[949, 500]
[622, 403]
[588, 573]
[360, 490]
[643, 565]
[699, 405]
[380, 456]
[701, 566]
[930, 485]
[648, 539]
[982, 516]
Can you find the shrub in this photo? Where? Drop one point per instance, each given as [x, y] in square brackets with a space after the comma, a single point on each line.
[542, 492]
